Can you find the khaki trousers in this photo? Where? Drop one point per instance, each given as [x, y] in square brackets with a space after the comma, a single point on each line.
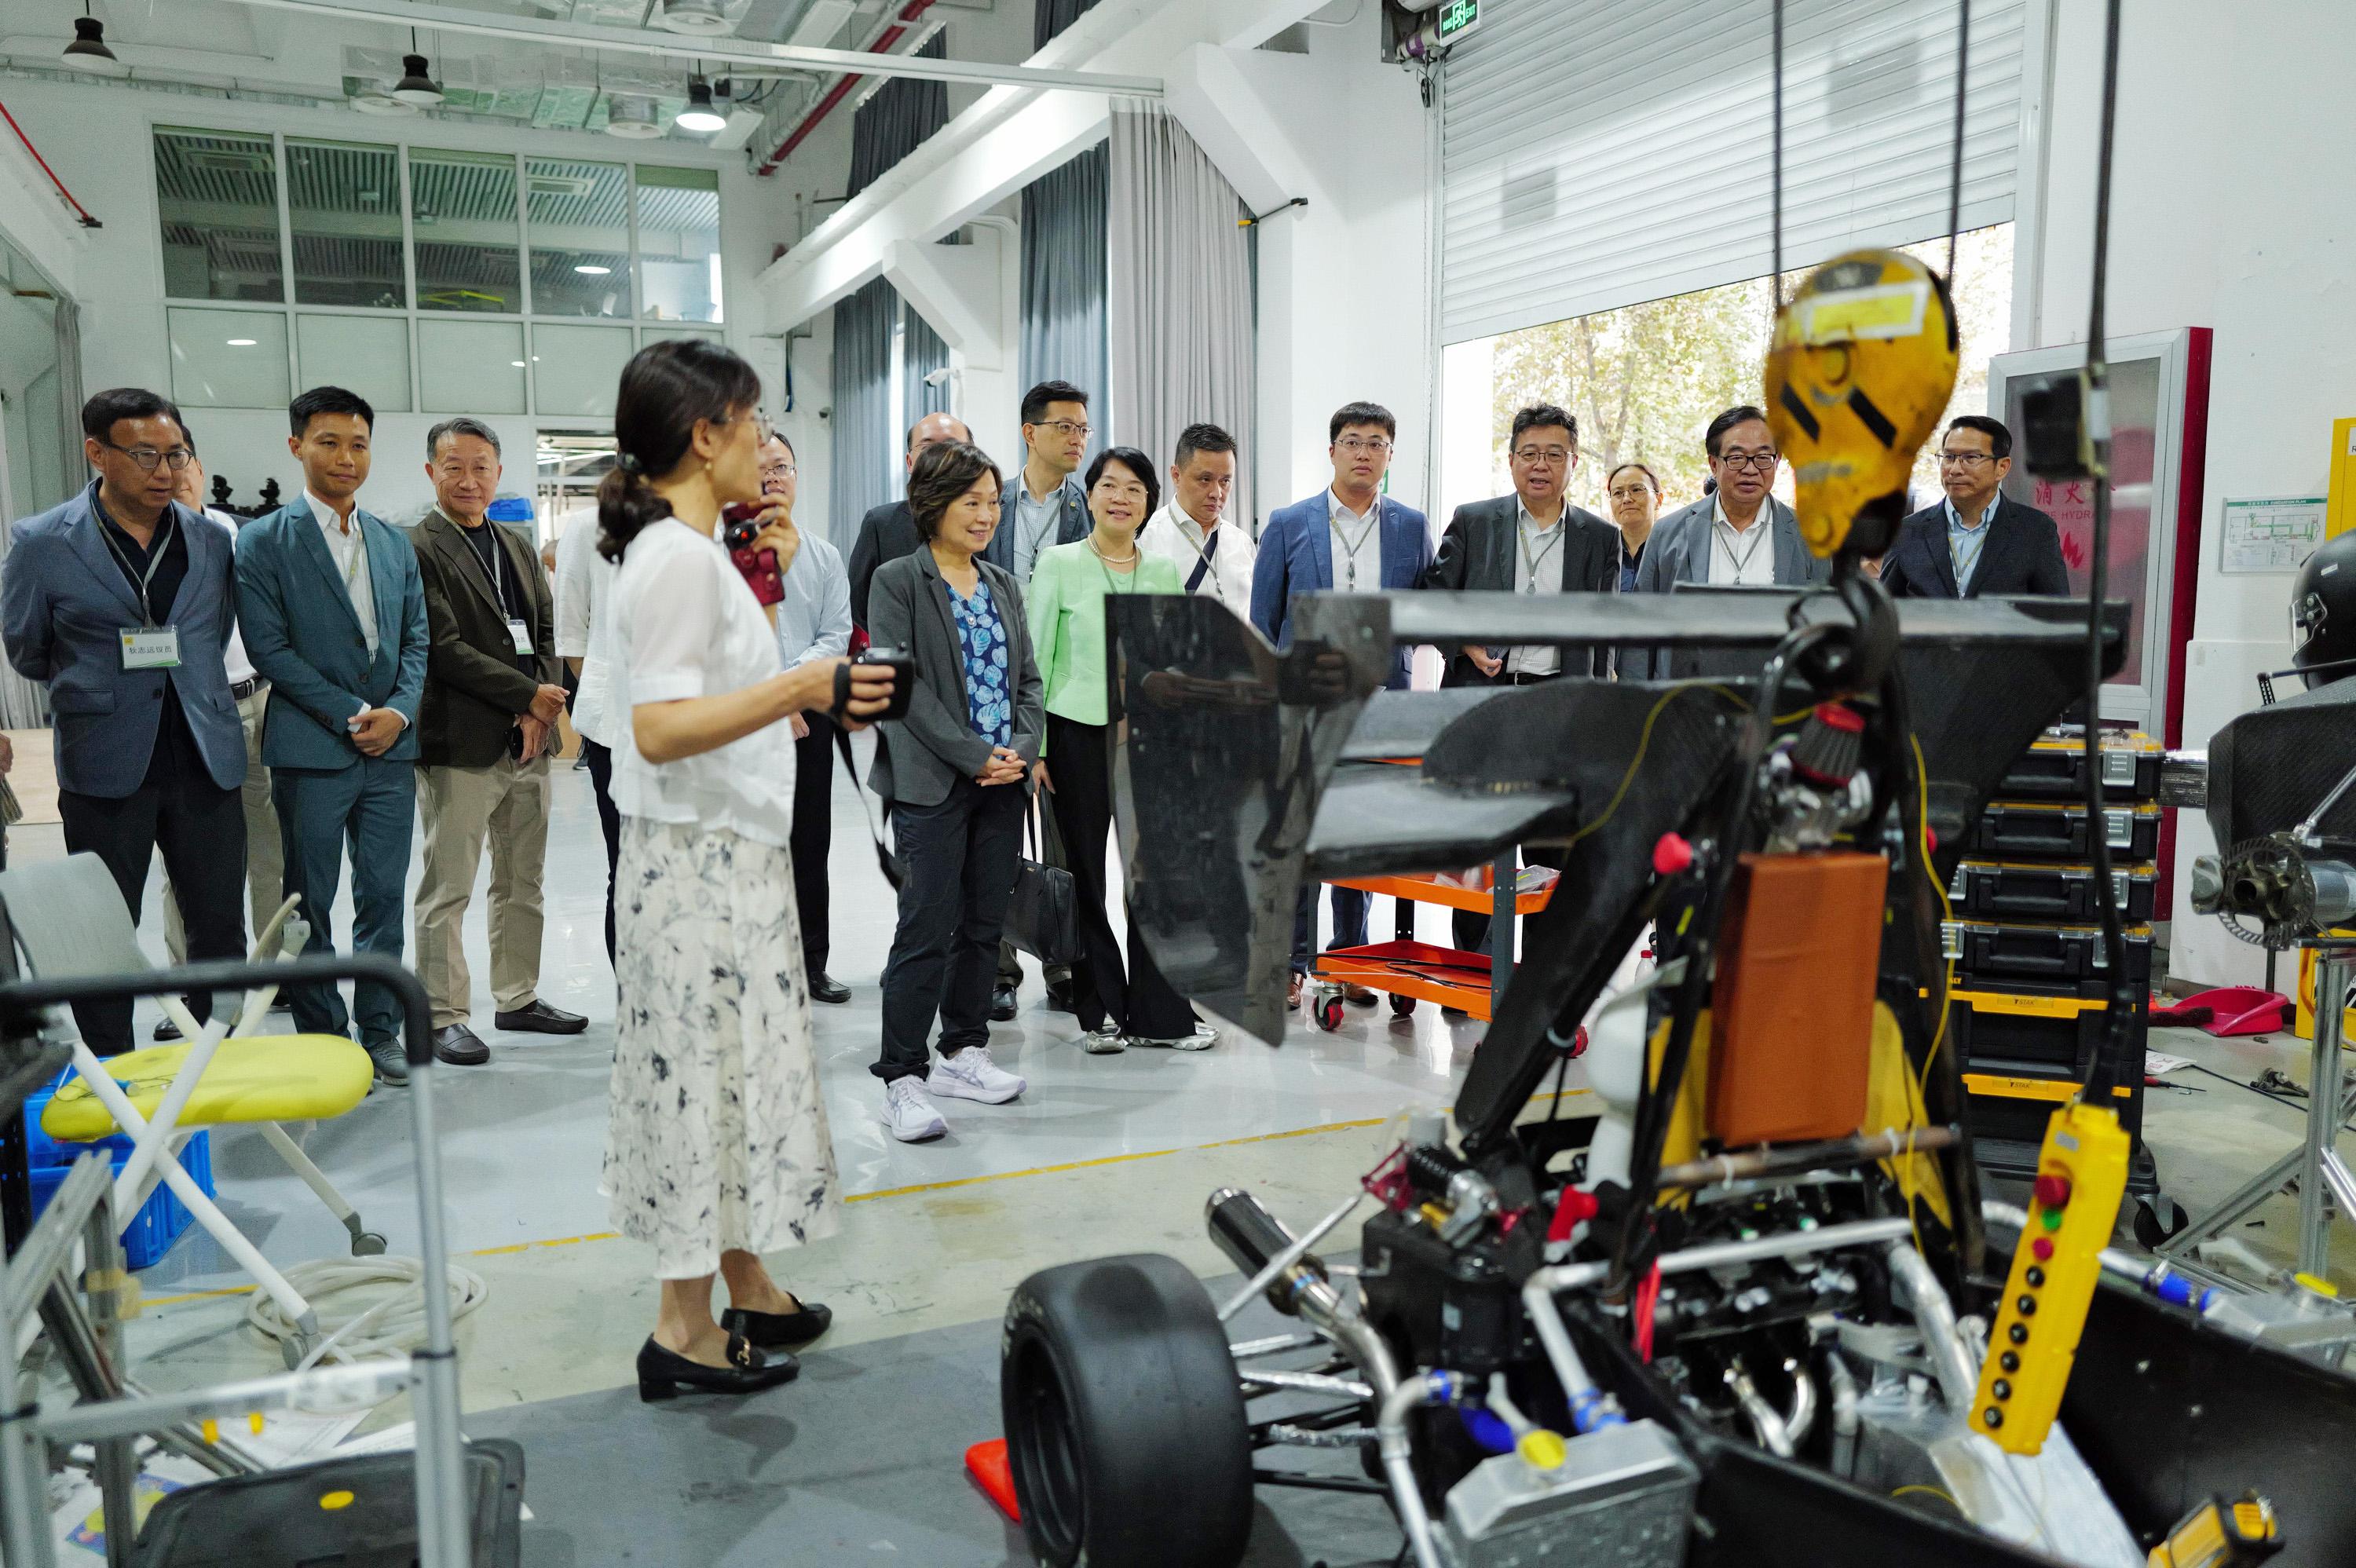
[507, 801]
[266, 856]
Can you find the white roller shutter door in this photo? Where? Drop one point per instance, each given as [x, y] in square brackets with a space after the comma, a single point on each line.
[1599, 153]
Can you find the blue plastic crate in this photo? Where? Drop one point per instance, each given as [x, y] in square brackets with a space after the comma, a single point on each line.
[160, 1220]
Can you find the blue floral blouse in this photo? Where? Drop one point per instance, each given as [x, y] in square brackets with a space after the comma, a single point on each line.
[989, 692]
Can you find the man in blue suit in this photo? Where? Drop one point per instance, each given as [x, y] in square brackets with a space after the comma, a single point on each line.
[1353, 538]
[121, 601]
[334, 614]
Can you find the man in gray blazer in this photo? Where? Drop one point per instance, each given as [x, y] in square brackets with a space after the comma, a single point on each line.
[1739, 536]
[334, 614]
[122, 602]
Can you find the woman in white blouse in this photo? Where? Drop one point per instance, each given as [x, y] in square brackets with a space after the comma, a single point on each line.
[716, 1148]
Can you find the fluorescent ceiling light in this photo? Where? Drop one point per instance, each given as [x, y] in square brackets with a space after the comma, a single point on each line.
[703, 17]
[699, 116]
[241, 343]
[416, 84]
[593, 269]
[89, 52]
[517, 363]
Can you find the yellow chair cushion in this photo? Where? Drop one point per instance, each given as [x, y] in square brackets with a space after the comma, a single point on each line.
[259, 1078]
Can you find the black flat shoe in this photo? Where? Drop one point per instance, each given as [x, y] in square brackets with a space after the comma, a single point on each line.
[460, 1046]
[779, 1330]
[663, 1373]
[825, 988]
[541, 1018]
[1002, 1005]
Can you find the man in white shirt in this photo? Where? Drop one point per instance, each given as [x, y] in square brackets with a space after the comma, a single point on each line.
[584, 579]
[1213, 557]
[265, 855]
[333, 610]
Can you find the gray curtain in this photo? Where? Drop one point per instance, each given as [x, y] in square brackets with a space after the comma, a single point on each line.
[1049, 18]
[902, 115]
[1063, 327]
[865, 470]
[1179, 310]
[922, 352]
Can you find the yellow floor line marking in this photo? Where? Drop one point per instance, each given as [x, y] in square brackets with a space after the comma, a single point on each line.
[921, 1187]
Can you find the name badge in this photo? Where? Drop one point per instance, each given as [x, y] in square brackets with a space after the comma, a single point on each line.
[521, 634]
[151, 647]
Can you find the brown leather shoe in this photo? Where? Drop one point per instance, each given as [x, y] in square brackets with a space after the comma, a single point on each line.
[1292, 992]
[1359, 996]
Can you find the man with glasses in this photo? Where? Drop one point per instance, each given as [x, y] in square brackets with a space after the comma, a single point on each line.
[813, 623]
[485, 730]
[1975, 541]
[1532, 541]
[889, 531]
[122, 602]
[1353, 538]
[1738, 537]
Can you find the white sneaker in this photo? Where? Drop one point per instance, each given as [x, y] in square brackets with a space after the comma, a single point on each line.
[909, 1115]
[1105, 1040]
[971, 1074]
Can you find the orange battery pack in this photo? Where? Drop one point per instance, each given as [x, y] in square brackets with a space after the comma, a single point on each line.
[1792, 1002]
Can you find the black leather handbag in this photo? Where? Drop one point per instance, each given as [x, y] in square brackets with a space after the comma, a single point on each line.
[1042, 918]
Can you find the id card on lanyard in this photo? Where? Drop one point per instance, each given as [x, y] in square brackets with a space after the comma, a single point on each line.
[146, 646]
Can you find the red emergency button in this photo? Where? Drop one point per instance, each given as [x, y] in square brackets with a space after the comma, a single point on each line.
[2053, 1192]
[1672, 854]
[2042, 1248]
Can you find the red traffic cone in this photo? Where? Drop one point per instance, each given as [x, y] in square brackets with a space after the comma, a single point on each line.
[986, 1463]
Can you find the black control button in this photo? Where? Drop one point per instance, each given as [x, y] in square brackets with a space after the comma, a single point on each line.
[2009, 1361]
[1994, 1417]
[2001, 1389]
[2026, 1306]
[2035, 1276]
[2018, 1333]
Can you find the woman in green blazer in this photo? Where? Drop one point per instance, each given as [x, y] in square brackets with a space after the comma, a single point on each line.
[1069, 585]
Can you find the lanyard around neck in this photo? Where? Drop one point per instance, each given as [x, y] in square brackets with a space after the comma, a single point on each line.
[1350, 546]
[1532, 562]
[1757, 531]
[154, 561]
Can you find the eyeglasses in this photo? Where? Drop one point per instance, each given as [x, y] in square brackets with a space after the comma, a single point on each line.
[146, 457]
[1064, 428]
[1552, 456]
[778, 470]
[1354, 445]
[1630, 492]
[1964, 459]
[1756, 462]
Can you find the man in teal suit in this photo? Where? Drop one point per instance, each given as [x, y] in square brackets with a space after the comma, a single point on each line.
[333, 612]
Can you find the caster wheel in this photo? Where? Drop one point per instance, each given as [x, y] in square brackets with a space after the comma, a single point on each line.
[2157, 1218]
[367, 1245]
[1329, 1013]
[1402, 1006]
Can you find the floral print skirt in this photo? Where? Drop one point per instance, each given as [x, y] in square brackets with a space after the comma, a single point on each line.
[716, 1136]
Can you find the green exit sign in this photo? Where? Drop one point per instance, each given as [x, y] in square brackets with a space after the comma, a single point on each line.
[1457, 18]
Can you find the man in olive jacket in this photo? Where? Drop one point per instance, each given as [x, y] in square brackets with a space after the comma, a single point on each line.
[493, 691]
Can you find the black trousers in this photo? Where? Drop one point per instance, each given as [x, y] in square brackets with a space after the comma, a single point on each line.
[813, 836]
[200, 829]
[1134, 997]
[956, 861]
[601, 780]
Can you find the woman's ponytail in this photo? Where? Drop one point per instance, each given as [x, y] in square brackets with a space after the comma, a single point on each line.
[666, 388]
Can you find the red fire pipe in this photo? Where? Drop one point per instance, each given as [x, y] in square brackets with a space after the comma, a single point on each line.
[841, 90]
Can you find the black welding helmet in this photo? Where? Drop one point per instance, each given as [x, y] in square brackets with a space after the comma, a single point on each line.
[2323, 612]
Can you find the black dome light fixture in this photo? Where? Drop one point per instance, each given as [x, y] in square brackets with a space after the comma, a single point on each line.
[701, 115]
[416, 85]
[88, 52]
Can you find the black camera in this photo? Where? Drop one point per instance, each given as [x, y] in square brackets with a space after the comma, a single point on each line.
[904, 683]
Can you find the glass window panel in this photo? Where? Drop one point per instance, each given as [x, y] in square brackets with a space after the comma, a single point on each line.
[470, 367]
[577, 370]
[463, 218]
[344, 201]
[580, 238]
[658, 334]
[217, 199]
[678, 244]
[229, 359]
[366, 354]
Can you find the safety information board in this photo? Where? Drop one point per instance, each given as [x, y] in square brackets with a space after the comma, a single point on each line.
[2272, 534]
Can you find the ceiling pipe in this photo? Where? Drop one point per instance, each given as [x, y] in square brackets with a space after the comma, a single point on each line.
[843, 87]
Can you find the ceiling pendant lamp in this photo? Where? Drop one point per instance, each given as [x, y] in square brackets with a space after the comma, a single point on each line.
[703, 17]
[377, 100]
[416, 85]
[699, 116]
[89, 52]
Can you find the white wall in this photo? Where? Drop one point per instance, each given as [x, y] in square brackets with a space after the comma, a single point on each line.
[2231, 208]
[98, 139]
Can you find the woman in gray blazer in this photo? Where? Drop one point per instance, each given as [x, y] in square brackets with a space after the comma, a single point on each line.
[954, 773]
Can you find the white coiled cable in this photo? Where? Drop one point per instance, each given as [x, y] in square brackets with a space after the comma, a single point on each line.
[367, 1308]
